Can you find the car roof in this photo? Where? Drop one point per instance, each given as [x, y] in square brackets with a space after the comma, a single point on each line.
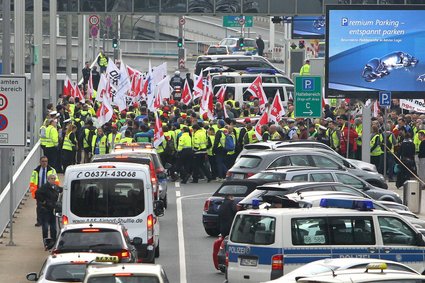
[295, 185]
[100, 225]
[287, 169]
[68, 257]
[247, 182]
[135, 268]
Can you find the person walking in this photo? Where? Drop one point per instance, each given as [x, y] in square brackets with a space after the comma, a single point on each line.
[376, 152]
[184, 150]
[39, 178]
[260, 45]
[226, 213]
[47, 196]
[69, 147]
[86, 73]
[406, 153]
[200, 144]
[421, 156]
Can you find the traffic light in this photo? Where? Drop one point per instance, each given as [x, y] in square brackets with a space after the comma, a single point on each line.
[276, 20]
[115, 43]
[241, 43]
[301, 44]
[180, 42]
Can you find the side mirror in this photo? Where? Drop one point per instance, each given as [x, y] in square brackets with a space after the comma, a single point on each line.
[167, 166]
[159, 208]
[137, 241]
[32, 276]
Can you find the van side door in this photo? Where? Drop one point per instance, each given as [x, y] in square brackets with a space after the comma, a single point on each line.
[399, 242]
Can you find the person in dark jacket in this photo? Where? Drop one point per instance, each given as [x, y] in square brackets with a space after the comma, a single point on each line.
[406, 153]
[86, 73]
[48, 196]
[189, 81]
[95, 77]
[226, 213]
[260, 45]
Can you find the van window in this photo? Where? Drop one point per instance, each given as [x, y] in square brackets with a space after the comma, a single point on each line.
[253, 229]
[396, 232]
[247, 162]
[351, 231]
[107, 197]
[270, 92]
[219, 80]
[285, 80]
[333, 231]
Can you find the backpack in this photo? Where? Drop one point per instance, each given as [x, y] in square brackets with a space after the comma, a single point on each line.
[229, 143]
[170, 148]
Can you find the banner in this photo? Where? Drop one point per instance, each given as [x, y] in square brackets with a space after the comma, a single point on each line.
[416, 105]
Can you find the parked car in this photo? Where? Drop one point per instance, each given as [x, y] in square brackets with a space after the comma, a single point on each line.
[217, 50]
[238, 188]
[312, 174]
[258, 160]
[233, 43]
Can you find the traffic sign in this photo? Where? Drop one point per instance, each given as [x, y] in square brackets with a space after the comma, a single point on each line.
[238, 21]
[94, 20]
[94, 31]
[108, 21]
[182, 21]
[308, 97]
[13, 111]
[385, 98]
[3, 101]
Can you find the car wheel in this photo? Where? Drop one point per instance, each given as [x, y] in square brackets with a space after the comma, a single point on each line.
[157, 251]
[212, 232]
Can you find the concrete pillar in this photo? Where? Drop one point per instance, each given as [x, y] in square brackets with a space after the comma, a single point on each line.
[37, 83]
[271, 35]
[81, 58]
[366, 118]
[69, 45]
[53, 52]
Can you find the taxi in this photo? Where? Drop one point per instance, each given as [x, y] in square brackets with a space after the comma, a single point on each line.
[374, 272]
[124, 273]
[70, 267]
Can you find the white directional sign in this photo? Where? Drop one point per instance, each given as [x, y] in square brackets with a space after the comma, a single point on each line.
[13, 111]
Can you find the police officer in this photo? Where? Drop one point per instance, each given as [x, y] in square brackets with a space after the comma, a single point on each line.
[376, 152]
[102, 61]
[69, 147]
[86, 141]
[52, 142]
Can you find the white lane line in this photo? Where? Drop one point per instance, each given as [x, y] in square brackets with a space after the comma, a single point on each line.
[182, 254]
[178, 194]
[177, 184]
[196, 195]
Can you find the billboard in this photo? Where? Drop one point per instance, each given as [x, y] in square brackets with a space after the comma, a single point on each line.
[375, 48]
[308, 27]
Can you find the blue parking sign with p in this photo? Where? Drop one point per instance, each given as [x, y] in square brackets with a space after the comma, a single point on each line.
[385, 98]
[307, 84]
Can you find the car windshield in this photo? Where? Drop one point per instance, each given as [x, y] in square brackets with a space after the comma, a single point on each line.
[235, 190]
[90, 239]
[269, 176]
[67, 272]
[247, 162]
[107, 197]
[123, 279]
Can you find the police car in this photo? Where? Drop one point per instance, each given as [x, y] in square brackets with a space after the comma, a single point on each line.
[374, 272]
[69, 267]
[125, 273]
[265, 244]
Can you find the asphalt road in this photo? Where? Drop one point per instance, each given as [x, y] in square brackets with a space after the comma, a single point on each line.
[197, 244]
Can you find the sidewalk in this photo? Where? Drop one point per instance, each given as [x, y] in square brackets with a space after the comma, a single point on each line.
[28, 254]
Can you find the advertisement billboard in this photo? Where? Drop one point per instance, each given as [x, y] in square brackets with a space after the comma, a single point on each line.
[375, 48]
[306, 27]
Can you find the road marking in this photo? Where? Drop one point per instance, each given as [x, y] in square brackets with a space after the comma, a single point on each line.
[182, 254]
[177, 184]
[178, 194]
[196, 195]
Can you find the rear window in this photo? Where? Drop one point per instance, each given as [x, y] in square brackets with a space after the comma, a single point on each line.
[90, 238]
[236, 190]
[249, 43]
[123, 279]
[253, 229]
[247, 162]
[66, 272]
[270, 92]
[107, 197]
[217, 50]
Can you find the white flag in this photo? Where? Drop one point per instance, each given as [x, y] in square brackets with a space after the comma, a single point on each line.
[102, 87]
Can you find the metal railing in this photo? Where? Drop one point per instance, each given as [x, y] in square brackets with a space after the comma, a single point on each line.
[21, 180]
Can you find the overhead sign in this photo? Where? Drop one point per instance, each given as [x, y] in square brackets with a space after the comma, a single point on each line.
[94, 20]
[13, 104]
[385, 98]
[308, 97]
[238, 21]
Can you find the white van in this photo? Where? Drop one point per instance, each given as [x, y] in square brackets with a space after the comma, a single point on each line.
[265, 244]
[114, 193]
[240, 94]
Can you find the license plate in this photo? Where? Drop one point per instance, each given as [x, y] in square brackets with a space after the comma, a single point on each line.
[238, 176]
[248, 261]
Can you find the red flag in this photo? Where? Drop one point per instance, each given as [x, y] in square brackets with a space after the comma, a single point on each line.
[144, 90]
[186, 94]
[198, 88]
[67, 87]
[277, 111]
[256, 89]
[221, 94]
[105, 111]
[157, 101]
[158, 137]
[206, 103]
[77, 93]
[264, 120]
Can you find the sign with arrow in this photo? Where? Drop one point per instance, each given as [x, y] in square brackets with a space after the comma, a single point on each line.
[308, 97]
[238, 21]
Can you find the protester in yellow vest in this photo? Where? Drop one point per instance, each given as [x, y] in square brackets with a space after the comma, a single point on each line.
[305, 69]
[100, 143]
[69, 147]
